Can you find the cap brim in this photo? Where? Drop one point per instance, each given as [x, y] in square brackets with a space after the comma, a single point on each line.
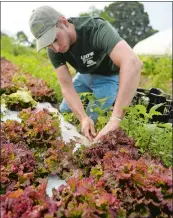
[46, 39]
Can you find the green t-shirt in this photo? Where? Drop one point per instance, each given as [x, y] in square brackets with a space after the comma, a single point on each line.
[96, 38]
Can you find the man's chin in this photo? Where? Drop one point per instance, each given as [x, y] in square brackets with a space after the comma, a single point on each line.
[65, 50]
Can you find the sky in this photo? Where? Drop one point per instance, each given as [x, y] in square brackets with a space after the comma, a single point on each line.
[15, 15]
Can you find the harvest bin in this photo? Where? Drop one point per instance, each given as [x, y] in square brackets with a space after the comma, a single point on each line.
[153, 97]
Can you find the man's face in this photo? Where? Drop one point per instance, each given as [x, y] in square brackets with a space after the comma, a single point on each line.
[62, 41]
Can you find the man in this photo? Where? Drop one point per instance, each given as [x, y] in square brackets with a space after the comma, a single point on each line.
[105, 63]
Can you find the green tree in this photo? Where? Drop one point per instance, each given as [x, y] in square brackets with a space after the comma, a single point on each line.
[22, 38]
[130, 20]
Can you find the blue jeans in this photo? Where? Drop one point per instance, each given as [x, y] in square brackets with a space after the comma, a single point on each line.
[104, 89]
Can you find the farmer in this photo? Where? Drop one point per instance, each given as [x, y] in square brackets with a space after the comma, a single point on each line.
[106, 65]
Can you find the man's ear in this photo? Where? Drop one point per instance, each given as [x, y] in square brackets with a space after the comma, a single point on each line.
[64, 21]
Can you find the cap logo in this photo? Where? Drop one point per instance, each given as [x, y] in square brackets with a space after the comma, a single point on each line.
[37, 28]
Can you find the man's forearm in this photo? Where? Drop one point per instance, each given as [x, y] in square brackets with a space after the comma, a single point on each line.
[74, 102]
[129, 80]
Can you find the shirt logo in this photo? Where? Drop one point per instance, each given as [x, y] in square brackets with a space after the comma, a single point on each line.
[87, 59]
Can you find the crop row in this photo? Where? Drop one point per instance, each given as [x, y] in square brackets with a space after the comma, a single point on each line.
[108, 179]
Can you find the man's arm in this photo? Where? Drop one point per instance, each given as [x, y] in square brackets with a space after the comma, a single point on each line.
[74, 101]
[130, 67]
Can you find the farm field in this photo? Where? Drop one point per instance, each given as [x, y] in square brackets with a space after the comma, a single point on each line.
[127, 174]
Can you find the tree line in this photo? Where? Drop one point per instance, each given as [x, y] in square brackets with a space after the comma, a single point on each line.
[128, 18]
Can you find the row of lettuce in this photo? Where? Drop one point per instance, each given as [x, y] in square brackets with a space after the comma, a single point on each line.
[112, 178]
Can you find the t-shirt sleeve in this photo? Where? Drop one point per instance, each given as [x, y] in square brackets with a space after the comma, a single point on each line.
[105, 37]
[55, 58]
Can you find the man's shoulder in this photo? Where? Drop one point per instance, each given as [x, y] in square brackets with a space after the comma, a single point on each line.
[86, 21]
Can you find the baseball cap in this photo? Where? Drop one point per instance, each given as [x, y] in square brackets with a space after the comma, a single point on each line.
[43, 25]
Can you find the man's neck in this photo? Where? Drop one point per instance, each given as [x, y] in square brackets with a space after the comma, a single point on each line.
[73, 33]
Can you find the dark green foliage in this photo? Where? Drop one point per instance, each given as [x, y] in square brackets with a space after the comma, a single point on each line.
[128, 18]
[131, 21]
[153, 138]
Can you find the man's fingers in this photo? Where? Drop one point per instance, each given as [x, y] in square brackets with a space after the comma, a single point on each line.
[87, 135]
[88, 129]
[93, 132]
[98, 137]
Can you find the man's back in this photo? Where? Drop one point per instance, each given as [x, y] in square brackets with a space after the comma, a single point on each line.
[90, 53]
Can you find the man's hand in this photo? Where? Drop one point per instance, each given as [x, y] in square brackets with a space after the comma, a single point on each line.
[110, 126]
[88, 128]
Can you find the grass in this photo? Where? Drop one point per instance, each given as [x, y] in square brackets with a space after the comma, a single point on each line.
[157, 72]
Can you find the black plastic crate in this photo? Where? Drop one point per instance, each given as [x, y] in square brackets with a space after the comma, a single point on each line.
[155, 96]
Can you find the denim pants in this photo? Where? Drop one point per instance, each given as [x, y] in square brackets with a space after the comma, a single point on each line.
[104, 89]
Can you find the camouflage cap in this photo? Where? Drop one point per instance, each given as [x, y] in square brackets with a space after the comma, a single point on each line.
[43, 25]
